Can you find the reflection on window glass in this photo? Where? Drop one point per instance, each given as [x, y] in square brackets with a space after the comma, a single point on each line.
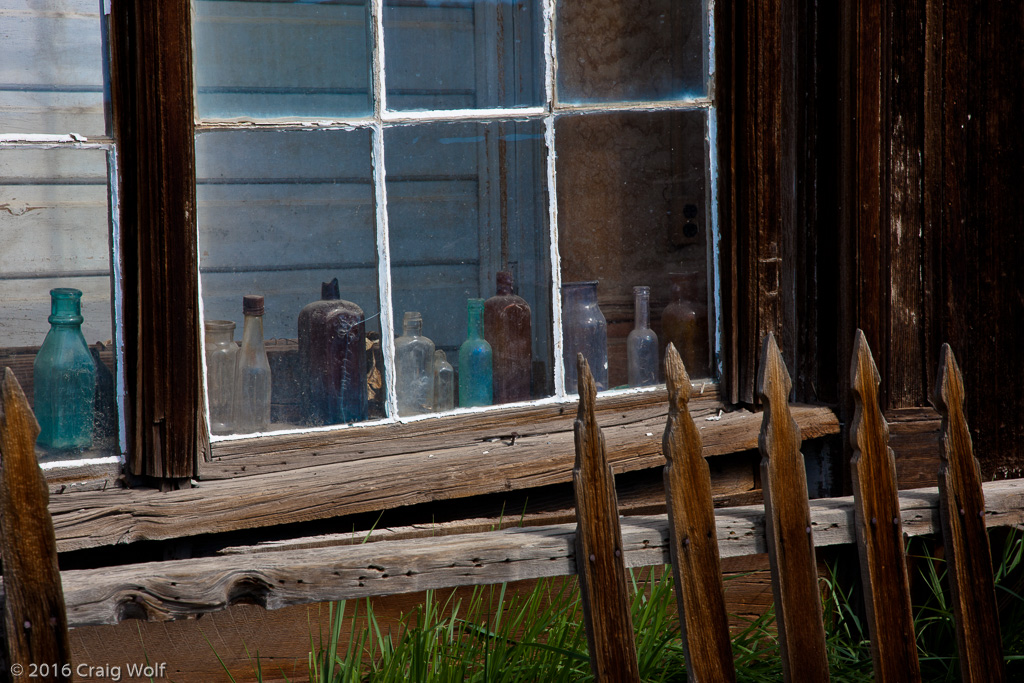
[288, 218]
[632, 212]
[622, 50]
[467, 215]
[463, 54]
[56, 324]
[51, 71]
[282, 59]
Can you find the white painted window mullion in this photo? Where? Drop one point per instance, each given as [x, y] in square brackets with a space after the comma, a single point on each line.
[556, 265]
[117, 275]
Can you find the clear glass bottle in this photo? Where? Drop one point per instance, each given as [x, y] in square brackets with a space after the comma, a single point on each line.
[444, 382]
[642, 343]
[584, 330]
[332, 359]
[684, 322]
[221, 356]
[414, 368]
[507, 330]
[476, 379]
[251, 398]
[64, 376]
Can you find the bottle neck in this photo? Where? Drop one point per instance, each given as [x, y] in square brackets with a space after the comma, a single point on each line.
[412, 328]
[641, 300]
[252, 333]
[475, 326]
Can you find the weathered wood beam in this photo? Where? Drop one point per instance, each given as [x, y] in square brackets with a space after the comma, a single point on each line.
[879, 535]
[968, 556]
[697, 568]
[91, 519]
[798, 612]
[182, 588]
[35, 621]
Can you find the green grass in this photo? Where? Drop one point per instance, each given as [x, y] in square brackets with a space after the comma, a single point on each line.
[498, 636]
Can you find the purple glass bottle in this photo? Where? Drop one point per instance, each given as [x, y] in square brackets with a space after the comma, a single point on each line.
[507, 330]
[332, 359]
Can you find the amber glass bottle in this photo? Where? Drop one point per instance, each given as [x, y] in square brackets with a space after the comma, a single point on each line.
[332, 359]
[684, 322]
[507, 330]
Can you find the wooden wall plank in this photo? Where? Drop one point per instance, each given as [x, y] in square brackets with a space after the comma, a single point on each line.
[968, 556]
[598, 545]
[879, 533]
[788, 527]
[155, 590]
[35, 618]
[691, 516]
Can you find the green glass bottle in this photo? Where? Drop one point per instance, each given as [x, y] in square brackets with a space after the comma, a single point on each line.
[475, 370]
[65, 377]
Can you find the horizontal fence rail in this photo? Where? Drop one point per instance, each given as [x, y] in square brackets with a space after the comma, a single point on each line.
[276, 579]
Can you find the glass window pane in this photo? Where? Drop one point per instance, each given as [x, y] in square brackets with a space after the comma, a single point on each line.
[51, 70]
[466, 201]
[620, 50]
[56, 236]
[280, 213]
[632, 211]
[464, 54]
[282, 59]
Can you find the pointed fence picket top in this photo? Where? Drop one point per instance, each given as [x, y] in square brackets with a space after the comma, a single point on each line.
[968, 556]
[879, 528]
[693, 537]
[600, 562]
[798, 613]
[35, 619]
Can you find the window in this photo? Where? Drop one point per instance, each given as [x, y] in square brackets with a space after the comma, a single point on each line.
[414, 149]
[59, 274]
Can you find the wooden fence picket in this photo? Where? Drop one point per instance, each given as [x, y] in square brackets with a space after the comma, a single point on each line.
[879, 528]
[798, 613]
[600, 561]
[693, 536]
[35, 617]
[968, 556]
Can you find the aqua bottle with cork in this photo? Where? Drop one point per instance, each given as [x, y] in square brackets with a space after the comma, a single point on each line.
[252, 375]
[476, 384]
[64, 376]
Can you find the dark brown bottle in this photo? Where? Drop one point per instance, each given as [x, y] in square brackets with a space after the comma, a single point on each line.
[684, 323]
[332, 359]
[507, 330]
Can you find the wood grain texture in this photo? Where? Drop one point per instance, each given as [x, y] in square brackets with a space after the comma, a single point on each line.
[694, 545]
[879, 533]
[788, 525]
[152, 98]
[178, 589]
[90, 519]
[35, 619]
[599, 549]
[752, 173]
[968, 556]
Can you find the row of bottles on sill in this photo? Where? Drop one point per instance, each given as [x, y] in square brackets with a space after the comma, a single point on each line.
[585, 330]
[333, 369]
[494, 361]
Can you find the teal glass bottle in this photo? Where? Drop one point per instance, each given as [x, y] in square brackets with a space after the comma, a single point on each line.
[65, 377]
[475, 361]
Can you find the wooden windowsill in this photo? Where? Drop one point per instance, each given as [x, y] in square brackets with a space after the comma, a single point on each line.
[303, 478]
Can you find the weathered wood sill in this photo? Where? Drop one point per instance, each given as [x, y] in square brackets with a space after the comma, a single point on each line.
[287, 479]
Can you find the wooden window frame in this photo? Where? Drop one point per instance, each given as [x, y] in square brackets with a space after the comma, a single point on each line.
[323, 474]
